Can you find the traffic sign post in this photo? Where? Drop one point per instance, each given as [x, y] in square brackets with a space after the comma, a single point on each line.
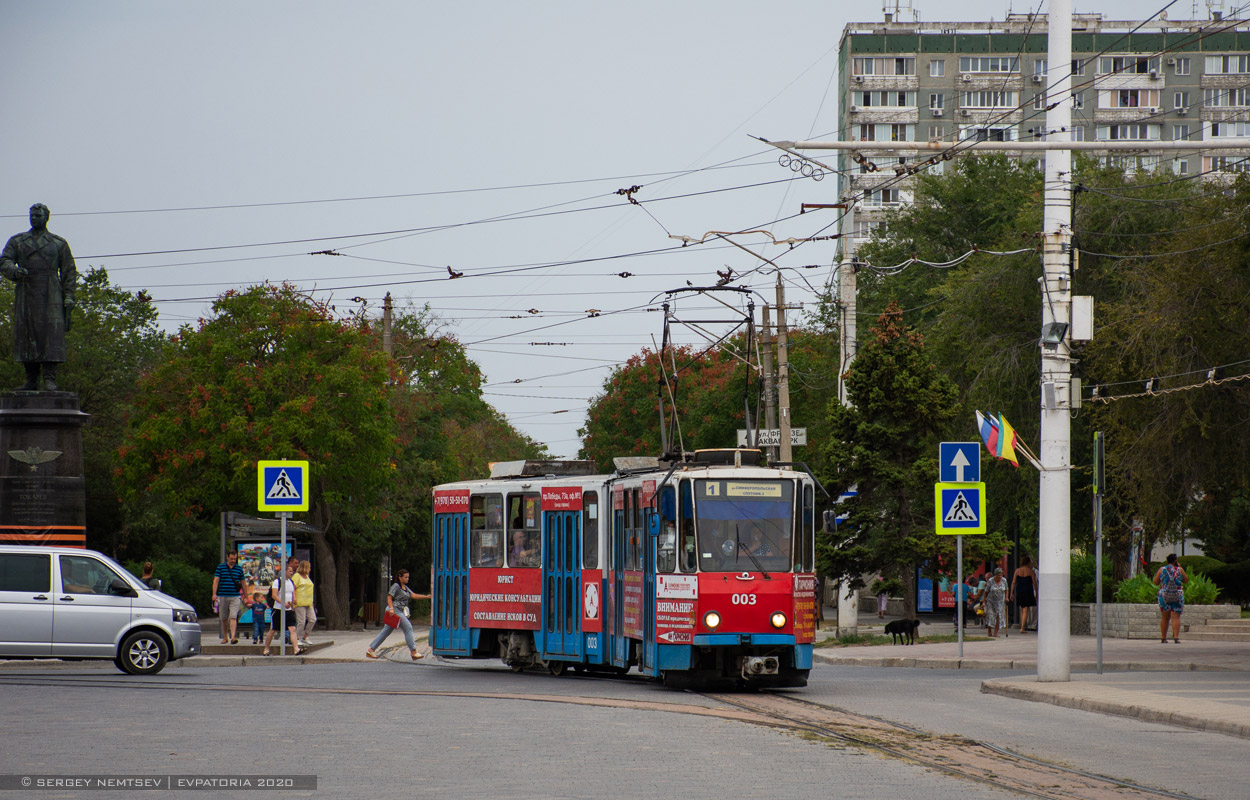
[959, 462]
[959, 508]
[282, 487]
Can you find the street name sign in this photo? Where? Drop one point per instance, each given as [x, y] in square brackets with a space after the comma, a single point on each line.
[771, 437]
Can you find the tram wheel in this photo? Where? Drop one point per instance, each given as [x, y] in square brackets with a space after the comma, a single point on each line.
[516, 666]
[556, 668]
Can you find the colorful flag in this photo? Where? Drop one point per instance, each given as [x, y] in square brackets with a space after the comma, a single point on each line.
[1007, 440]
[988, 426]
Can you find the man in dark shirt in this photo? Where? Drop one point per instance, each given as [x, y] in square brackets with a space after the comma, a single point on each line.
[229, 588]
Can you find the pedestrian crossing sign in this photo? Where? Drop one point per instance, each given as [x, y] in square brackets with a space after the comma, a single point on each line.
[959, 508]
[282, 485]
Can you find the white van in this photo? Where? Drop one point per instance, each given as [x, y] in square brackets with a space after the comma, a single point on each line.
[66, 602]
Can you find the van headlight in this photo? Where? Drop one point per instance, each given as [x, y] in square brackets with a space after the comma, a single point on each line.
[184, 616]
[712, 620]
[778, 619]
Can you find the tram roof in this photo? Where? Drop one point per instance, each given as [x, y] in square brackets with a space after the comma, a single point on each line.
[537, 468]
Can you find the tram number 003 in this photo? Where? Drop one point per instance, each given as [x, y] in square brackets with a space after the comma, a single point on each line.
[742, 599]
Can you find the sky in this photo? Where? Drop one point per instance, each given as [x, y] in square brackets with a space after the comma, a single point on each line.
[190, 148]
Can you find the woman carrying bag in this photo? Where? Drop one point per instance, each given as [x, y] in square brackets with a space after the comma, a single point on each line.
[1171, 580]
[397, 616]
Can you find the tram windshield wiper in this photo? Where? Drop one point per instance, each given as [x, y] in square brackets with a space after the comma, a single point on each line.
[750, 555]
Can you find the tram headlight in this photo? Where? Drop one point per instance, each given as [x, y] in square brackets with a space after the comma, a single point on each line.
[778, 619]
[712, 620]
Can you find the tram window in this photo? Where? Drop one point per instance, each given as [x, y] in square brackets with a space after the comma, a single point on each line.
[685, 525]
[746, 524]
[666, 550]
[636, 537]
[630, 541]
[666, 556]
[486, 531]
[525, 545]
[807, 556]
[590, 530]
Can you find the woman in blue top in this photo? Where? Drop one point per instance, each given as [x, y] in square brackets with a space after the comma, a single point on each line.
[1171, 580]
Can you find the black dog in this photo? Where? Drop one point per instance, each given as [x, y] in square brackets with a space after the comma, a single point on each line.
[903, 631]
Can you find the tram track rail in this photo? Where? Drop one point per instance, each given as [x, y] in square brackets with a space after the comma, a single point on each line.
[957, 756]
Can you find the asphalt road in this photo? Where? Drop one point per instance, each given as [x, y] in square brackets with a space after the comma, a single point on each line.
[364, 730]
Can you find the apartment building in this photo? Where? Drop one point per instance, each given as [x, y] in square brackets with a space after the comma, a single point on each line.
[954, 81]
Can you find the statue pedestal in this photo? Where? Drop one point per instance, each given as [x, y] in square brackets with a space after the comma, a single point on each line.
[43, 497]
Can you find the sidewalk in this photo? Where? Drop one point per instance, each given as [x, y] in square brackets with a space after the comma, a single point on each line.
[1131, 686]
[328, 647]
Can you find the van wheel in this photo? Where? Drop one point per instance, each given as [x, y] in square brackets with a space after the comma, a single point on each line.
[142, 653]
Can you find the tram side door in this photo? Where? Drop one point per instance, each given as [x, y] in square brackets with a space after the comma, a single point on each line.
[647, 659]
[451, 574]
[561, 608]
[619, 642]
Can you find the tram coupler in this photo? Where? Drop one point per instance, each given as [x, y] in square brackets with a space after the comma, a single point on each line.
[754, 666]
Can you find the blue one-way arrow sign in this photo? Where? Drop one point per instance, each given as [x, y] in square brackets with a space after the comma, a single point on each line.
[959, 462]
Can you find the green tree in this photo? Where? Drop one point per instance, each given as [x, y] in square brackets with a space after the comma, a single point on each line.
[624, 420]
[272, 374]
[1175, 458]
[980, 318]
[445, 429]
[884, 445]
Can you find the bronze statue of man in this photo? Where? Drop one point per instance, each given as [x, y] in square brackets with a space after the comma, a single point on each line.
[41, 267]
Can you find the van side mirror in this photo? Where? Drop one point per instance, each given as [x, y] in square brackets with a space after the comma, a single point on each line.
[122, 589]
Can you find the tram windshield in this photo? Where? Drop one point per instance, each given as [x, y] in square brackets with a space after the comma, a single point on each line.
[744, 525]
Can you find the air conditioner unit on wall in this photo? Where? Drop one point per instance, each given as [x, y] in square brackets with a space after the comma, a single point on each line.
[1182, 111]
[853, 109]
[859, 78]
[1153, 109]
[1171, 62]
[965, 112]
[937, 112]
[1154, 74]
[1037, 78]
[966, 78]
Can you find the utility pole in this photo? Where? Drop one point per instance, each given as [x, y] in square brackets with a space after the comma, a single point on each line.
[1054, 482]
[770, 385]
[388, 347]
[848, 598]
[848, 279]
[388, 343]
[783, 374]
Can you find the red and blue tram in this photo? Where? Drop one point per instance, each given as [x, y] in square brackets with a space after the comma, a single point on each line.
[699, 572]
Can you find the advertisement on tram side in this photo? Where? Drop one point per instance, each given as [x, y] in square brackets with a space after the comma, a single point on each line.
[505, 598]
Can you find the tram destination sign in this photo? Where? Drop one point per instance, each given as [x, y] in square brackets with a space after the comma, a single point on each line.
[771, 437]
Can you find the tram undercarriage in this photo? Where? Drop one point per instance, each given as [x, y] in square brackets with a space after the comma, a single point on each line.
[753, 667]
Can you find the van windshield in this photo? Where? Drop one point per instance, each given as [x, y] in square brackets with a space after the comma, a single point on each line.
[740, 519]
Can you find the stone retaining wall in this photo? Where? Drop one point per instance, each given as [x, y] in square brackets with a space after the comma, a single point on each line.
[1141, 620]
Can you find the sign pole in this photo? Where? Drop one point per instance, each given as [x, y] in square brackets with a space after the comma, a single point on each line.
[960, 589]
[282, 515]
[1099, 478]
[282, 487]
